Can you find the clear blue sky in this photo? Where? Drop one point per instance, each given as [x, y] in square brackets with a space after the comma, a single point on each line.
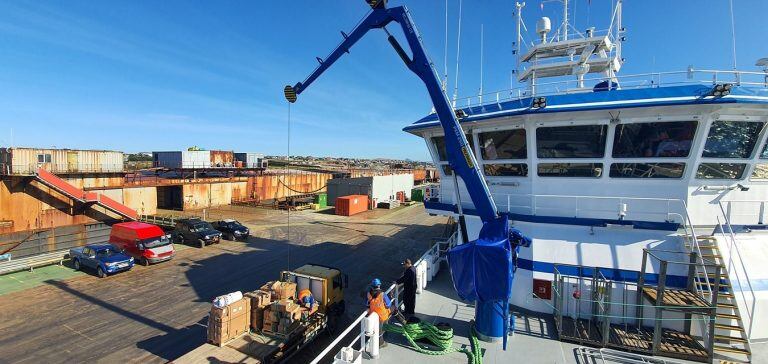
[165, 75]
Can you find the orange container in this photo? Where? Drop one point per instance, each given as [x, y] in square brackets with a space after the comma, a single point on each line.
[350, 205]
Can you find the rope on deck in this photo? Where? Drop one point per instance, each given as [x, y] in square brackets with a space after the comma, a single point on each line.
[441, 336]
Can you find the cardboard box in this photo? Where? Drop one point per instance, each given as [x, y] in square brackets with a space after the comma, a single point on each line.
[259, 298]
[284, 290]
[257, 318]
[234, 309]
[285, 305]
[230, 322]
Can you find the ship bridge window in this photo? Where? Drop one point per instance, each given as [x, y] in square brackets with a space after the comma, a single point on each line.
[732, 139]
[764, 153]
[760, 172]
[720, 170]
[647, 140]
[506, 170]
[439, 143]
[505, 144]
[594, 170]
[581, 141]
[647, 170]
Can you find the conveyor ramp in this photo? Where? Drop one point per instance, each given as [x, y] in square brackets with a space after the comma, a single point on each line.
[51, 180]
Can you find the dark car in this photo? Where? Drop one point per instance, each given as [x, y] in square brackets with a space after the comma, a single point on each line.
[232, 229]
[195, 232]
[103, 258]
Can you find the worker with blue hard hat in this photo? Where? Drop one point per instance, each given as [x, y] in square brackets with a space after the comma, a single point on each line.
[379, 302]
[306, 299]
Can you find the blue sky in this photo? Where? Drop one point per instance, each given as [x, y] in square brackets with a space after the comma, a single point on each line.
[165, 75]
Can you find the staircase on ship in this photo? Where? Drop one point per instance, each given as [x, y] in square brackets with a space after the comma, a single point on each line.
[659, 314]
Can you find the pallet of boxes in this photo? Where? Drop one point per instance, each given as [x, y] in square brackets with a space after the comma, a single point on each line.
[280, 315]
[229, 319]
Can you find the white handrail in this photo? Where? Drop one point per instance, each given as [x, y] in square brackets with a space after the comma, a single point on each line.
[434, 249]
[733, 246]
[645, 80]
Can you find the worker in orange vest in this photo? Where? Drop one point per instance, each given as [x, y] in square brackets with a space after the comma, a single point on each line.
[379, 302]
[306, 299]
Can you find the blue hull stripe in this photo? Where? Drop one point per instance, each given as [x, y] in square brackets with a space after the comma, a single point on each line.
[564, 220]
[614, 274]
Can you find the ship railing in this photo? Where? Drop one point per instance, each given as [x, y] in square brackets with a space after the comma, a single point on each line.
[744, 212]
[426, 266]
[632, 81]
[588, 206]
[30, 169]
[737, 271]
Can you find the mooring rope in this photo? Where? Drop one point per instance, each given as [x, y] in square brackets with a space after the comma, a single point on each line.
[441, 336]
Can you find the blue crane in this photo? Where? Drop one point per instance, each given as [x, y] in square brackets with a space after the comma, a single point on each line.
[482, 269]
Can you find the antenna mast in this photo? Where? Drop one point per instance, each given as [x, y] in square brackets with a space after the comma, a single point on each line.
[445, 57]
[565, 19]
[481, 63]
[458, 51]
[518, 41]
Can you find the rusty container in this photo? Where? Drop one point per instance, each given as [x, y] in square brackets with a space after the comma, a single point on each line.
[222, 158]
[351, 205]
[419, 175]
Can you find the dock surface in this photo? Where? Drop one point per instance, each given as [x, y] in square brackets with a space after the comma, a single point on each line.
[156, 314]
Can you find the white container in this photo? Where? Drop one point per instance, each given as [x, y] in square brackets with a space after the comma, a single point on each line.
[182, 159]
[251, 160]
[227, 299]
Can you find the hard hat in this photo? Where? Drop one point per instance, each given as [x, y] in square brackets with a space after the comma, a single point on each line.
[376, 282]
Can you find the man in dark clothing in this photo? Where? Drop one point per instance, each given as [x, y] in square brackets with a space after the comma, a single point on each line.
[408, 280]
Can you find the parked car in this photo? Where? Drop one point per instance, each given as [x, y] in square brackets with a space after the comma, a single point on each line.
[232, 229]
[146, 242]
[105, 259]
[196, 232]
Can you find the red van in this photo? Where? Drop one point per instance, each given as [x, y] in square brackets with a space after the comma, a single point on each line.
[146, 242]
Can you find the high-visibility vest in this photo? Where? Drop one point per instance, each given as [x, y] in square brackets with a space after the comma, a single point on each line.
[305, 293]
[377, 304]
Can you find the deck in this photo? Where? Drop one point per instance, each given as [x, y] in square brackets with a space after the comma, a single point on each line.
[535, 337]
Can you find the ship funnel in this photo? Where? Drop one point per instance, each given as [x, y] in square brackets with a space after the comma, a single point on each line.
[543, 26]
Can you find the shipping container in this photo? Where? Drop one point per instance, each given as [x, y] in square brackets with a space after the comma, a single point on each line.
[251, 160]
[378, 188]
[222, 158]
[187, 159]
[270, 187]
[351, 205]
[25, 161]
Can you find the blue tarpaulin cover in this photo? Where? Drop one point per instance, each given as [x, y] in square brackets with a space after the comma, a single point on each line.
[483, 269]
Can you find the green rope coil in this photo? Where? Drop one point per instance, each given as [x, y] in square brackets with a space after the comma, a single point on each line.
[440, 336]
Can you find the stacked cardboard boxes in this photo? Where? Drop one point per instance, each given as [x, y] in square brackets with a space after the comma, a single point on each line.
[282, 316]
[229, 322]
[280, 290]
[259, 301]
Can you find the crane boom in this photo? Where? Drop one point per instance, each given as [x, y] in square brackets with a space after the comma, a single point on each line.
[460, 156]
[483, 269]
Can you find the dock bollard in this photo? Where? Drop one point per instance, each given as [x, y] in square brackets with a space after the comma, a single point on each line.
[369, 340]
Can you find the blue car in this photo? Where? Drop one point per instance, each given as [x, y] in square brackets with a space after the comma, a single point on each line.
[105, 259]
